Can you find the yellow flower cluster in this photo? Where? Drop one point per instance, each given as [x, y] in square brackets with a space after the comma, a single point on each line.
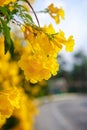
[13, 101]
[55, 13]
[8, 69]
[9, 100]
[5, 2]
[8, 73]
[25, 114]
[38, 67]
[39, 61]
[9, 95]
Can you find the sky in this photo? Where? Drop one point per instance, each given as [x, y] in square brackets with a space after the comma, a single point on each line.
[75, 22]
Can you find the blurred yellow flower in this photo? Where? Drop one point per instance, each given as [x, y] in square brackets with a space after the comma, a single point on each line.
[70, 44]
[5, 2]
[9, 100]
[60, 41]
[2, 120]
[25, 113]
[9, 73]
[55, 13]
[1, 46]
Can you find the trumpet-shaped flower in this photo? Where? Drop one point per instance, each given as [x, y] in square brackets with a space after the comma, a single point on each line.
[56, 13]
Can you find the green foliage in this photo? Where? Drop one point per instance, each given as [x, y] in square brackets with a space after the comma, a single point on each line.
[7, 16]
[80, 67]
[7, 38]
[23, 13]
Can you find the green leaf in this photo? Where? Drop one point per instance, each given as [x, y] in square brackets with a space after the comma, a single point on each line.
[0, 28]
[11, 48]
[21, 7]
[14, 11]
[3, 10]
[6, 13]
[29, 17]
[6, 32]
[23, 14]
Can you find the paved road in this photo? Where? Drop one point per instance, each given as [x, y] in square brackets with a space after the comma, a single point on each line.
[69, 113]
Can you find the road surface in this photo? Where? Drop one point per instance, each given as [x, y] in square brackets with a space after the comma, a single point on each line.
[69, 113]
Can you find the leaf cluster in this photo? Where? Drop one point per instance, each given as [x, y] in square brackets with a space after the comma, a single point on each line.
[7, 16]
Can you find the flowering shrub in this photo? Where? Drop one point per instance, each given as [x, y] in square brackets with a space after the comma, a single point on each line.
[28, 54]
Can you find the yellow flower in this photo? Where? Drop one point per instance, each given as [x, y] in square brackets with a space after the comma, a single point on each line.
[1, 46]
[49, 29]
[5, 2]
[60, 41]
[11, 8]
[9, 100]
[26, 113]
[56, 13]
[38, 67]
[42, 42]
[8, 72]
[70, 44]
[6, 108]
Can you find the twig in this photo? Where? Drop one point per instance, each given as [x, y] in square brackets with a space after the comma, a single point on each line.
[33, 12]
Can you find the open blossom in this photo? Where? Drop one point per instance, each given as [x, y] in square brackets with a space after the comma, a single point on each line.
[38, 67]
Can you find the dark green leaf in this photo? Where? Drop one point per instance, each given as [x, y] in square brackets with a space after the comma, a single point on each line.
[3, 11]
[6, 13]
[29, 17]
[11, 48]
[0, 28]
[6, 32]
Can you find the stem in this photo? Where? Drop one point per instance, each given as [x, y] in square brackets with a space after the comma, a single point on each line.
[33, 12]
